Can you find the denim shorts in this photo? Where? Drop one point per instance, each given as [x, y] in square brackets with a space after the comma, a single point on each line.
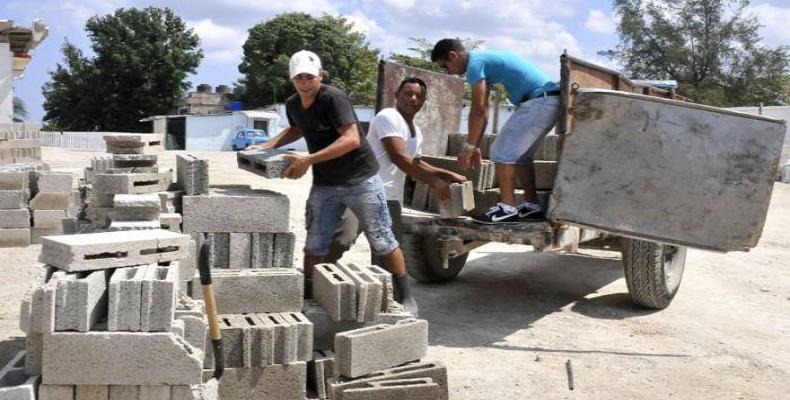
[366, 200]
[518, 140]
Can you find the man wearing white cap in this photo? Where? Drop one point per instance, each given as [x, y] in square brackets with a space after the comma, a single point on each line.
[344, 172]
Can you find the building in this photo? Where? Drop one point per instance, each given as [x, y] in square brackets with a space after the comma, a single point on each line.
[204, 101]
[210, 131]
[15, 45]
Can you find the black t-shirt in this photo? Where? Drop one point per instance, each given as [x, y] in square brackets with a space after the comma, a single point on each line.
[319, 124]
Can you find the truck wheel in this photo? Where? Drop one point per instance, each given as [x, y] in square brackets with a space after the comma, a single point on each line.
[652, 271]
[423, 261]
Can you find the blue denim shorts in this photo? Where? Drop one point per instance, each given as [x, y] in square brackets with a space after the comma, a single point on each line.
[519, 138]
[366, 200]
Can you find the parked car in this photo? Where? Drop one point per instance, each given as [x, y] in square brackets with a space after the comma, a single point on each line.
[248, 136]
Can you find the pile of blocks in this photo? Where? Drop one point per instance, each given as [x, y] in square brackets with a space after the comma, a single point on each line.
[148, 199]
[105, 320]
[18, 145]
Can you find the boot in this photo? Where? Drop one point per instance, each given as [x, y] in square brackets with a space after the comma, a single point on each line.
[402, 294]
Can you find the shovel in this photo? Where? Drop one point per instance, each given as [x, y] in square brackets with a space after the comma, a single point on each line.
[211, 311]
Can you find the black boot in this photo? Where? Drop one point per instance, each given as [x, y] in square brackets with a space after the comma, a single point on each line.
[402, 294]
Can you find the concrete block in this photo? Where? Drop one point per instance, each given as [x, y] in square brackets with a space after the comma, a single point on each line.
[134, 160]
[262, 247]
[34, 349]
[134, 143]
[52, 201]
[280, 381]
[125, 294]
[319, 370]
[461, 201]
[17, 237]
[37, 311]
[124, 392]
[159, 289]
[52, 182]
[193, 177]
[170, 201]
[236, 209]
[14, 180]
[155, 358]
[324, 328]
[455, 144]
[14, 384]
[190, 311]
[283, 250]
[335, 291]
[219, 252]
[49, 218]
[304, 331]
[113, 249]
[170, 222]
[397, 389]
[239, 250]
[37, 233]
[481, 178]
[268, 163]
[256, 291]
[419, 199]
[385, 277]
[81, 299]
[56, 392]
[91, 392]
[100, 216]
[369, 291]
[154, 392]
[148, 202]
[133, 225]
[134, 183]
[433, 370]
[549, 148]
[393, 317]
[15, 219]
[14, 199]
[362, 351]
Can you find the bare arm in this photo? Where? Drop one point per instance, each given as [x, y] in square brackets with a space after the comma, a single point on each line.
[445, 174]
[417, 169]
[478, 115]
[286, 136]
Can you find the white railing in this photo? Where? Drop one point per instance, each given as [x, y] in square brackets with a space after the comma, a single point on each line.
[75, 140]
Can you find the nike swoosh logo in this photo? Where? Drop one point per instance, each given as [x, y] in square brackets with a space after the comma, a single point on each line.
[497, 219]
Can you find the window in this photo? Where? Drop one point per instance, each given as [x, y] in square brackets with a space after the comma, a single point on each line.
[261, 124]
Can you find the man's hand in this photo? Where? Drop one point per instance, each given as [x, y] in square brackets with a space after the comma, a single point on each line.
[456, 178]
[298, 167]
[442, 189]
[470, 159]
[258, 146]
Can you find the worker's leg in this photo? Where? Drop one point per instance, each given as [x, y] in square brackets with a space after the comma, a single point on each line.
[345, 235]
[506, 177]
[395, 211]
[526, 175]
[323, 210]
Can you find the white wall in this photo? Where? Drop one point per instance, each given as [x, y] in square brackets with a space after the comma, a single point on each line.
[214, 132]
[6, 88]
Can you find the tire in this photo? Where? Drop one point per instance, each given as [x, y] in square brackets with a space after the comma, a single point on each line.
[423, 261]
[653, 271]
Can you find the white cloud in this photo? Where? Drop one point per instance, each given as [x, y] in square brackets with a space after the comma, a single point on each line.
[774, 20]
[313, 7]
[599, 22]
[402, 5]
[220, 43]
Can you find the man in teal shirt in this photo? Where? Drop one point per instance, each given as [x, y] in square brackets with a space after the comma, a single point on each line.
[537, 100]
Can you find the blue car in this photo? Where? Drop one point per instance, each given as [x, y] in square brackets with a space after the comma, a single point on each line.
[249, 136]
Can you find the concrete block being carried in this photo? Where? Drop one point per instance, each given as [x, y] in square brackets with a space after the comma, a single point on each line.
[433, 370]
[104, 250]
[134, 143]
[192, 174]
[256, 290]
[268, 163]
[362, 351]
[462, 200]
[236, 209]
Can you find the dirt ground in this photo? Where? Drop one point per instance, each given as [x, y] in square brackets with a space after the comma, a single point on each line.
[507, 325]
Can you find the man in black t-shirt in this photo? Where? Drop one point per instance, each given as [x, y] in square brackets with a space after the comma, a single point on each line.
[344, 172]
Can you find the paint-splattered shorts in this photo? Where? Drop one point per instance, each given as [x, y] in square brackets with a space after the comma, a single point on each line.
[366, 200]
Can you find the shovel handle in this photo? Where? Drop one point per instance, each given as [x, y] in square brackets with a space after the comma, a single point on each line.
[215, 334]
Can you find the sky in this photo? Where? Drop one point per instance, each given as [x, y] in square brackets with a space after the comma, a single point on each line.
[537, 29]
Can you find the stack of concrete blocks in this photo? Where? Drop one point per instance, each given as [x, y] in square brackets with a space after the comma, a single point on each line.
[461, 201]
[103, 319]
[54, 200]
[135, 211]
[14, 212]
[546, 160]
[268, 163]
[14, 383]
[19, 145]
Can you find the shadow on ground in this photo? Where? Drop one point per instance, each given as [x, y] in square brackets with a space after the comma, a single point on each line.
[9, 348]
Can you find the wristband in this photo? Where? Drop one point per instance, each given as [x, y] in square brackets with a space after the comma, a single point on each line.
[469, 147]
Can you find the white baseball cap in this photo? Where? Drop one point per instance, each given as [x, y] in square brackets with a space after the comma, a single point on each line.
[304, 62]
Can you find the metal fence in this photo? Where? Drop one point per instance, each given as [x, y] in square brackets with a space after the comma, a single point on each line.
[92, 141]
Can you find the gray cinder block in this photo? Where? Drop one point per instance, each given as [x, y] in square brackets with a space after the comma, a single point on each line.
[91, 392]
[134, 183]
[125, 294]
[159, 289]
[236, 209]
[14, 199]
[170, 222]
[124, 392]
[81, 299]
[120, 358]
[14, 384]
[482, 178]
[134, 160]
[133, 225]
[280, 381]
[262, 247]
[319, 370]
[15, 219]
[34, 349]
[37, 311]
[190, 311]
[52, 182]
[362, 351]
[283, 250]
[53, 201]
[13, 180]
[170, 201]
[324, 328]
[17, 237]
[335, 291]
[385, 277]
[134, 143]
[56, 392]
[268, 163]
[192, 174]
[304, 329]
[433, 370]
[396, 389]
[239, 250]
[369, 291]
[103, 250]
[49, 218]
[461, 201]
[219, 250]
[256, 290]
[138, 207]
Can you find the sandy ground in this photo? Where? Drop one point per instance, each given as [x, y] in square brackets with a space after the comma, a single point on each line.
[507, 325]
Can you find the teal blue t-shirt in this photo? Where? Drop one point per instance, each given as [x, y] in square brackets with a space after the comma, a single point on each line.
[520, 77]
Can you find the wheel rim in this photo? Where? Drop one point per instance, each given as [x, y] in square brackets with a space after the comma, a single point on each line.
[673, 266]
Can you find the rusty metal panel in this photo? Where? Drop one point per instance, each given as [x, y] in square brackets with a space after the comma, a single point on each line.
[441, 113]
[666, 170]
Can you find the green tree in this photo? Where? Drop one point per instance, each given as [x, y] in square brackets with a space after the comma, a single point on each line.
[421, 49]
[346, 57]
[711, 47]
[142, 59]
[19, 109]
